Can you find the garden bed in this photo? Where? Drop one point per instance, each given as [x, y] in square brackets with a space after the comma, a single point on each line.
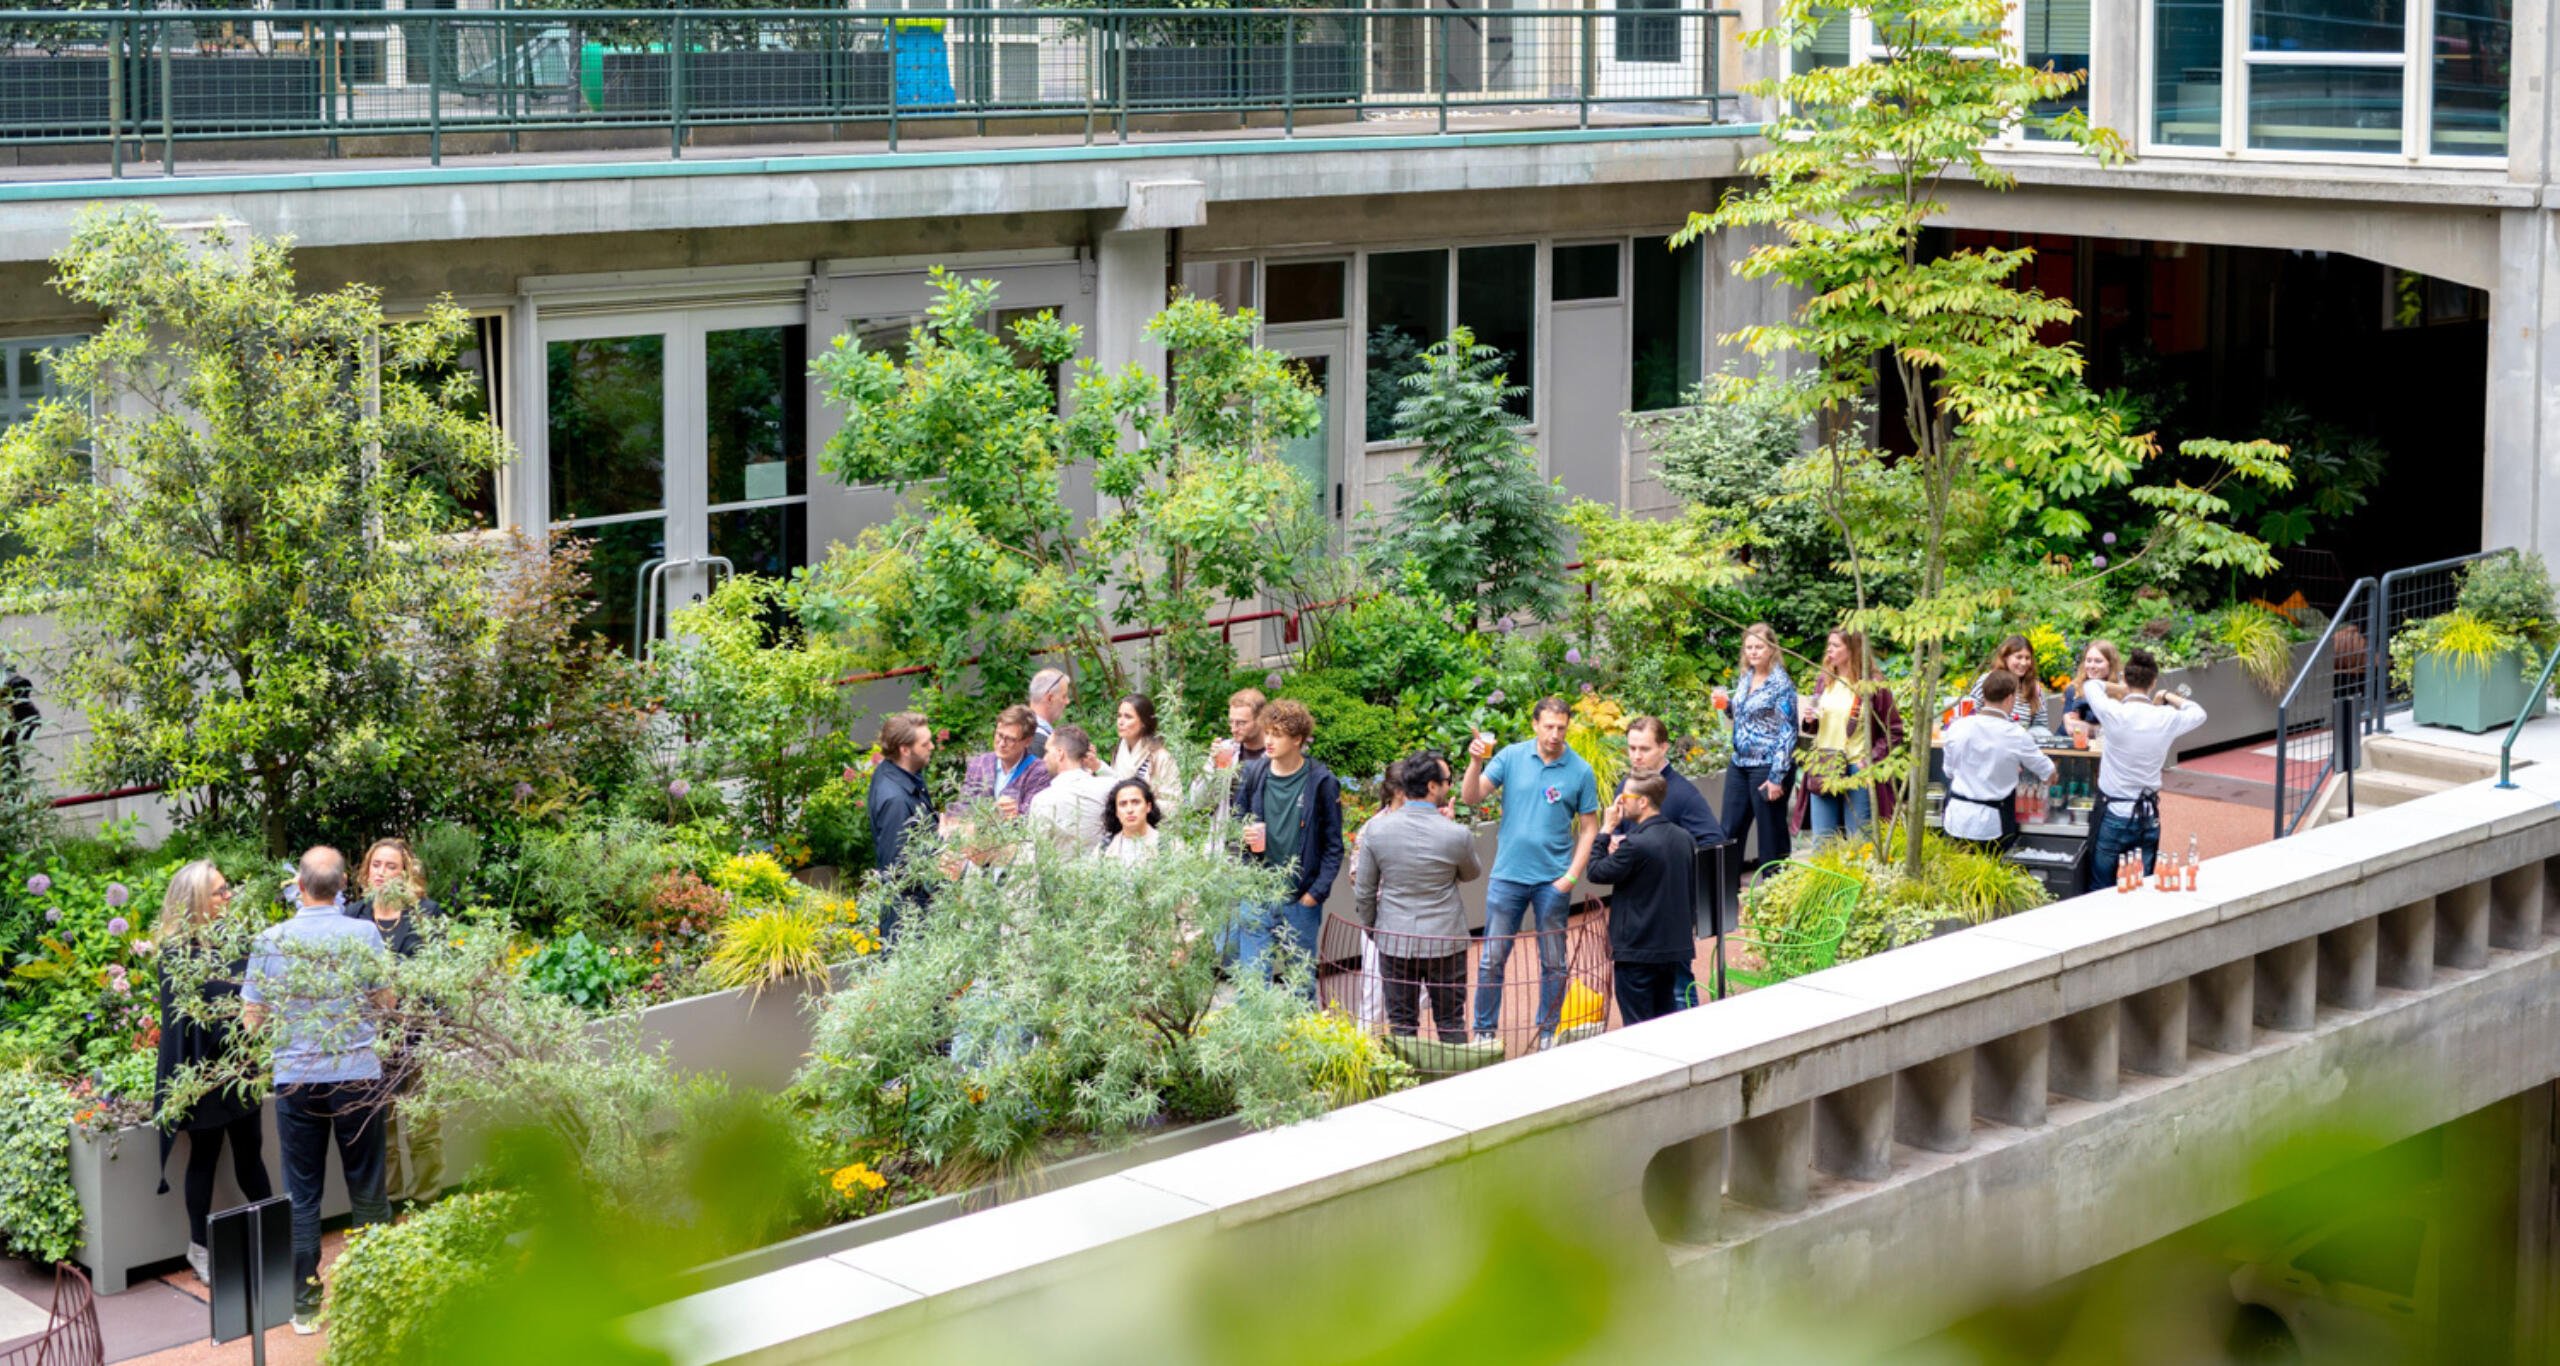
[2236, 706]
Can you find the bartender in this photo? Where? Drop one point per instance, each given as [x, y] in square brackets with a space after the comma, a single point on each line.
[1986, 753]
[2142, 727]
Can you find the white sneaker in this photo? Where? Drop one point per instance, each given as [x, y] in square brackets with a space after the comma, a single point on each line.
[1545, 1042]
[1488, 1037]
[199, 1262]
[306, 1325]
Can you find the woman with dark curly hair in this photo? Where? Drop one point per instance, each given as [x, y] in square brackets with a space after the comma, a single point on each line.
[1130, 817]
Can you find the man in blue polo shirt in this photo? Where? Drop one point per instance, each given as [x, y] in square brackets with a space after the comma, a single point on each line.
[313, 975]
[1550, 812]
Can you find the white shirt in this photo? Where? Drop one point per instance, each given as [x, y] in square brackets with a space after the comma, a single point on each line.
[1072, 806]
[2139, 738]
[1131, 848]
[1985, 754]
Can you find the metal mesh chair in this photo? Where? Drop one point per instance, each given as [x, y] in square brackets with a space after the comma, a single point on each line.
[71, 1338]
[1809, 941]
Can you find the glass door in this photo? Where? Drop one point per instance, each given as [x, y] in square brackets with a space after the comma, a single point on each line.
[605, 401]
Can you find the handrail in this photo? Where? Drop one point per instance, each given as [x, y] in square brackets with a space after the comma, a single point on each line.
[2378, 632]
[2533, 703]
[2321, 652]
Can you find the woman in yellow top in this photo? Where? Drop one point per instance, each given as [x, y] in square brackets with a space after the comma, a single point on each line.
[1855, 724]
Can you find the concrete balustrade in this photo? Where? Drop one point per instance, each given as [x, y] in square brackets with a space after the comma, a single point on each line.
[1758, 1137]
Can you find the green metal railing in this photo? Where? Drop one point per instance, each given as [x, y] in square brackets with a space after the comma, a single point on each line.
[367, 81]
[2534, 705]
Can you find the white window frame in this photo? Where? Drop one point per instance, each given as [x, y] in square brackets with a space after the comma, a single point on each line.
[2414, 60]
[1864, 48]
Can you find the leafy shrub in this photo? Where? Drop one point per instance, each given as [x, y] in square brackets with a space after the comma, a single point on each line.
[39, 1214]
[1355, 738]
[593, 872]
[451, 853]
[396, 1285]
[2512, 593]
[576, 970]
[1403, 638]
[770, 946]
[1344, 1061]
[1958, 881]
[755, 881]
[759, 697]
[836, 820]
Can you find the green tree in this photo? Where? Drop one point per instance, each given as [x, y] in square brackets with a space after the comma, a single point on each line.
[1471, 509]
[2003, 429]
[238, 514]
[759, 709]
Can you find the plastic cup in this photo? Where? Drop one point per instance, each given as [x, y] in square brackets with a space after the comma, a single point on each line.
[1253, 835]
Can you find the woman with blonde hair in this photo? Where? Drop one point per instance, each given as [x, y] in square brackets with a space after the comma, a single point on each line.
[394, 888]
[197, 897]
[2100, 663]
[1855, 723]
[1763, 706]
[2018, 658]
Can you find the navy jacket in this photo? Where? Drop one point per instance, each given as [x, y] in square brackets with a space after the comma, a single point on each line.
[897, 799]
[1319, 849]
[1682, 805]
[1651, 897]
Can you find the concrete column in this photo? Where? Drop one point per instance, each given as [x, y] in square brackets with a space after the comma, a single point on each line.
[2081, 1057]
[1772, 1165]
[2405, 956]
[2219, 1007]
[1853, 1131]
[1933, 1104]
[2515, 908]
[1684, 1189]
[2286, 995]
[2523, 390]
[2153, 1035]
[2009, 1078]
[2348, 956]
[1128, 291]
[2462, 927]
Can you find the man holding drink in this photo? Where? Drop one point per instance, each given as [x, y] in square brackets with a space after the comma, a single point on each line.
[1550, 813]
[1291, 806]
[1011, 773]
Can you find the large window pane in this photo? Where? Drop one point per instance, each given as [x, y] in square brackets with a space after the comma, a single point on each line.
[2057, 33]
[1669, 343]
[1228, 284]
[1640, 39]
[2475, 47]
[1498, 299]
[2327, 25]
[1585, 273]
[1408, 311]
[771, 541]
[1305, 292]
[615, 587]
[753, 414]
[1830, 42]
[607, 427]
[2186, 73]
[2325, 108]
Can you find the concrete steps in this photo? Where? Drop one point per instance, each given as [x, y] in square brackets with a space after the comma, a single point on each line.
[2396, 770]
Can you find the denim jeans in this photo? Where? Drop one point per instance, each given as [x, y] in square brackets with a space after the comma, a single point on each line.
[309, 1116]
[1841, 813]
[1259, 927]
[1505, 904]
[1304, 925]
[2115, 835]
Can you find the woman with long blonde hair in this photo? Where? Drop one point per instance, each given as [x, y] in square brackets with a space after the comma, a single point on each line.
[1763, 706]
[2099, 664]
[1855, 724]
[393, 884]
[197, 897]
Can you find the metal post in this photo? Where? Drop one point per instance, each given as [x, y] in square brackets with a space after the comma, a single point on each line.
[1092, 78]
[1443, 45]
[115, 99]
[1121, 44]
[1288, 79]
[168, 114]
[435, 93]
[675, 91]
[1590, 71]
[889, 31]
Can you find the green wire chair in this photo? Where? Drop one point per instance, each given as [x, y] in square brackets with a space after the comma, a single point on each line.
[1812, 942]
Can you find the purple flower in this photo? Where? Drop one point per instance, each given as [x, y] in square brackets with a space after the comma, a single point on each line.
[1271, 680]
[2097, 561]
[120, 986]
[118, 926]
[1573, 656]
[524, 792]
[1587, 690]
[53, 915]
[39, 885]
[2108, 539]
[678, 789]
[118, 894]
[1496, 698]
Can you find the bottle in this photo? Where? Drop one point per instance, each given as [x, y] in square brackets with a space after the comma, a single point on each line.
[2192, 860]
[2168, 871]
[2124, 875]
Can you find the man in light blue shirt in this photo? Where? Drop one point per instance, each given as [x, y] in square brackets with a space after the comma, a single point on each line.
[1550, 812]
[314, 975]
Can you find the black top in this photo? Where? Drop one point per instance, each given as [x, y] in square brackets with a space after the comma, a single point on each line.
[184, 1041]
[897, 799]
[404, 938]
[1319, 851]
[1682, 805]
[1651, 900]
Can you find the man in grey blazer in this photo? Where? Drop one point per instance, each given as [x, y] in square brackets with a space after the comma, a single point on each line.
[1412, 858]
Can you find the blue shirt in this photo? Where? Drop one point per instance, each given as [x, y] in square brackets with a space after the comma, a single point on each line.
[1764, 723]
[326, 1037]
[1539, 801]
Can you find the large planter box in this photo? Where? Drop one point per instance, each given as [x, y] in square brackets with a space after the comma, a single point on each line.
[2236, 706]
[214, 92]
[125, 1223]
[2442, 693]
[719, 83]
[59, 96]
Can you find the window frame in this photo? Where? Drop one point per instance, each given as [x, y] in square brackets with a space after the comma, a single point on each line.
[1540, 282]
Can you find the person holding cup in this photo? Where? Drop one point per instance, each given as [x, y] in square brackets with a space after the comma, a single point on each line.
[1764, 708]
[1550, 814]
[1291, 808]
[1011, 774]
[2100, 664]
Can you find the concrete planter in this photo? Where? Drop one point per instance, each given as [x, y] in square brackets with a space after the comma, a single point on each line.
[2443, 693]
[1223, 74]
[125, 1223]
[2236, 706]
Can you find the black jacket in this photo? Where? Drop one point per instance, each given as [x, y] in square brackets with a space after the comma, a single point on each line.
[405, 937]
[1682, 805]
[184, 1041]
[1650, 876]
[1319, 851]
[897, 799]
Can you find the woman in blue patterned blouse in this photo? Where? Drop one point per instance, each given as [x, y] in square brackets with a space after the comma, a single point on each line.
[1763, 705]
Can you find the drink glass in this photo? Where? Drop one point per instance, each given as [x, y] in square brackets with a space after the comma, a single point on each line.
[1254, 834]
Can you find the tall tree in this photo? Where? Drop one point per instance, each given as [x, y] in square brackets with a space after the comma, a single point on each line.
[237, 514]
[2002, 428]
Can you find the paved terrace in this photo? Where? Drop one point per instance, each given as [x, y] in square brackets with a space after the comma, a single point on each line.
[1987, 1112]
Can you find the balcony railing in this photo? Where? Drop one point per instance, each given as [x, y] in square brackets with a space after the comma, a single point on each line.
[145, 84]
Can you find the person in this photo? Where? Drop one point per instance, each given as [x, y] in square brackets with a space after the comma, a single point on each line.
[393, 895]
[197, 897]
[2098, 664]
[2016, 658]
[313, 975]
[2142, 728]
[1651, 869]
[1649, 751]
[1550, 814]
[1050, 693]
[1243, 744]
[1856, 724]
[1070, 808]
[1130, 819]
[18, 719]
[1011, 774]
[899, 805]
[1985, 754]
[1291, 806]
[1763, 705]
[1142, 752]
[1405, 888]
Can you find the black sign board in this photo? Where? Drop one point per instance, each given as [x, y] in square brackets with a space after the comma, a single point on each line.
[251, 1254]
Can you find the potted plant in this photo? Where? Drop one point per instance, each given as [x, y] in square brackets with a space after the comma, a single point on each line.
[2473, 668]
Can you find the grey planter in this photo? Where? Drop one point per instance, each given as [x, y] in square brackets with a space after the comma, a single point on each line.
[2236, 706]
[125, 1223]
[718, 83]
[2443, 693]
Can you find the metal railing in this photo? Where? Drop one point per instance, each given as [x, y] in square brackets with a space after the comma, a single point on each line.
[2403, 596]
[2535, 703]
[2317, 719]
[407, 82]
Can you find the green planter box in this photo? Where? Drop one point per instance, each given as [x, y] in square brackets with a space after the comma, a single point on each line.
[2443, 694]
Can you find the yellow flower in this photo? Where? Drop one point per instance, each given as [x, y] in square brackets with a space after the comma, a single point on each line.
[858, 1176]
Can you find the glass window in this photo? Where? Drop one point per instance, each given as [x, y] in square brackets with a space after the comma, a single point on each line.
[2324, 108]
[1498, 300]
[2474, 67]
[1589, 272]
[1643, 39]
[2186, 73]
[754, 414]
[1408, 296]
[615, 588]
[479, 365]
[2327, 25]
[1304, 291]
[1830, 42]
[25, 381]
[1229, 284]
[1667, 351]
[2057, 34]
[608, 427]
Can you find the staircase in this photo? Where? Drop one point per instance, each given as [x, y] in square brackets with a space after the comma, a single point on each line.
[2397, 769]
